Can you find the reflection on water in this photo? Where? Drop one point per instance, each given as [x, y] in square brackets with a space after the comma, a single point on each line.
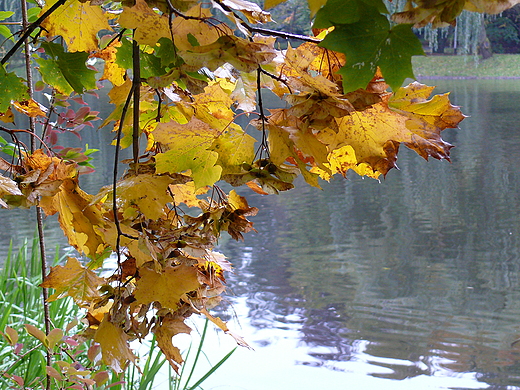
[418, 274]
[410, 283]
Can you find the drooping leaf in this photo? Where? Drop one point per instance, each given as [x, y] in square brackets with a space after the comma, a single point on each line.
[77, 22]
[170, 326]
[78, 218]
[114, 345]
[66, 72]
[12, 87]
[74, 280]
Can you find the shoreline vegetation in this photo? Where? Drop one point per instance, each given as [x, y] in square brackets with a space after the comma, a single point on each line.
[500, 66]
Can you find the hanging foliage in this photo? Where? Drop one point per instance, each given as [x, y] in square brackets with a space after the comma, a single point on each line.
[178, 72]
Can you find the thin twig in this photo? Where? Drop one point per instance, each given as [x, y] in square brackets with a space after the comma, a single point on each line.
[39, 211]
[114, 178]
[267, 31]
[136, 85]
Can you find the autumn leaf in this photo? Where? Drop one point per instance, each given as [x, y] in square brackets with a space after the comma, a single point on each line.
[77, 22]
[193, 30]
[149, 25]
[166, 287]
[114, 345]
[78, 218]
[146, 192]
[188, 149]
[8, 187]
[112, 71]
[187, 194]
[31, 108]
[73, 280]
[170, 326]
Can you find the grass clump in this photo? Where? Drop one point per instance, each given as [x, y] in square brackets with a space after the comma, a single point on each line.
[439, 66]
[24, 346]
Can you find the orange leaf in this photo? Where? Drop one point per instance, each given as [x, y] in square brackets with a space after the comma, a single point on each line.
[75, 281]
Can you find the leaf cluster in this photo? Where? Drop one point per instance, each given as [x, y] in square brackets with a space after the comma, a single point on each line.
[179, 74]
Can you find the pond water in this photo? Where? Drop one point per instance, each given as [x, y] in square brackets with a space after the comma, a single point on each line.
[411, 283]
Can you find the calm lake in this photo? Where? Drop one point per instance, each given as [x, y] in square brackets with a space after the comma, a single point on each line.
[411, 283]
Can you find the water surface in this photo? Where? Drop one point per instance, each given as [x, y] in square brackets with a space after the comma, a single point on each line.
[411, 283]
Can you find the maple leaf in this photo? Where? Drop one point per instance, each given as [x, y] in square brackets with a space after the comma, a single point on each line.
[166, 287]
[77, 22]
[170, 326]
[112, 71]
[187, 194]
[78, 218]
[31, 108]
[66, 72]
[388, 48]
[146, 192]
[193, 31]
[149, 25]
[12, 87]
[188, 150]
[376, 132]
[74, 280]
[114, 345]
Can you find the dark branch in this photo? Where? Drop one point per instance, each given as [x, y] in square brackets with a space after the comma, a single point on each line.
[30, 29]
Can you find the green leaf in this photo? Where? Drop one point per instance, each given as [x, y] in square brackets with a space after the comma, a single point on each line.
[151, 66]
[6, 14]
[12, 87]
[66, 72]
[370, 43]
[336, 12]
[6, 33]
[168, 53]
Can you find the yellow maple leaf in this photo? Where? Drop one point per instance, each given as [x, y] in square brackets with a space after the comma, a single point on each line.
[187, 149]
[77, 22]
[31, 108]
[202, 32]
[149, 25]
[187, 194]
[146, 192]
[73, 280]
[112, 72]
[166, 287]
[114, 345]
[78, 218]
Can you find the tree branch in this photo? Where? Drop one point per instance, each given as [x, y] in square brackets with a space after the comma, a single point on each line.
[30, 29]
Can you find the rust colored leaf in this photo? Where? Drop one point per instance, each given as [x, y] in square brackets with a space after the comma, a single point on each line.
[74, 280]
